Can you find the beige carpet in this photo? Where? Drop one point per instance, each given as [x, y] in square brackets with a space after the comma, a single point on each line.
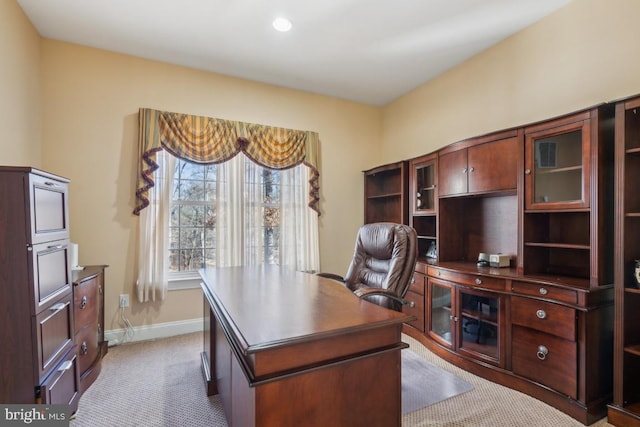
[159, 383]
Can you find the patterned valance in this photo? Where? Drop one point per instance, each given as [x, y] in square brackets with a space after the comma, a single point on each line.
[209, 140]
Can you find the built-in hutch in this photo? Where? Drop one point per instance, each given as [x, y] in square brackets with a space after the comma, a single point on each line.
[625, 408]
[541, 195]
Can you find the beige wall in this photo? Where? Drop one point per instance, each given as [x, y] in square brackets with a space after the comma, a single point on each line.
[73, 110]
[91, 100]
[584, 54]
[20, 97]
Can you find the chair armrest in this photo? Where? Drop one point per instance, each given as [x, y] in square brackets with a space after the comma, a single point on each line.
[365, 292]
[331, 276]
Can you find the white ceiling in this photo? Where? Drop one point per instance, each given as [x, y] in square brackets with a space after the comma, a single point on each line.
[369, 51]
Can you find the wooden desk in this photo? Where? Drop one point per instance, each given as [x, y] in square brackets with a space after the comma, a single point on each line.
[284, 348]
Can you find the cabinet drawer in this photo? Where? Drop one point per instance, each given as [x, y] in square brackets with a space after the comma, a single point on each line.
[54, 332]
[51, 273]
[62, 386]
[473, 280]
[49, 215]
[546, 359]
[544, 316]
[417, 284]
[545, 291]
[87, 343]
[417, 310]
[85, 295]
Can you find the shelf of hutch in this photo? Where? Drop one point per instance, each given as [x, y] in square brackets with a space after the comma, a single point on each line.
[385, 192]
[625, 408]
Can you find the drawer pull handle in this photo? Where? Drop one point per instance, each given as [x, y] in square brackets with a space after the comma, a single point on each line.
[50, 184]
[542, 352]
[541, 314]
[83, 348]
[543, 291]
[413, 280]
[54, 247]
[57, 307]
[478, 281]
[65, 366]
[83, 302]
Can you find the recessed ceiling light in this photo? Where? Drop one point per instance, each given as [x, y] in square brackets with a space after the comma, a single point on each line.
[282, 24]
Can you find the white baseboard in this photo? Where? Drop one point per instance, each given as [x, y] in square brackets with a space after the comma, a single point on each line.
[155, 331]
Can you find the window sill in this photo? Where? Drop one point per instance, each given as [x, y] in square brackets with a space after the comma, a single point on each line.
[191, 281]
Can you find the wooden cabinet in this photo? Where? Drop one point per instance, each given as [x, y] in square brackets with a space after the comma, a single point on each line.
[88, 300]
[471, 166]
[568, 215]
[385, 194]
[36, 301]
[625, 408]
[467, 319]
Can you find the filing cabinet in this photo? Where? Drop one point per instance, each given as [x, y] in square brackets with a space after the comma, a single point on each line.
[38, 354]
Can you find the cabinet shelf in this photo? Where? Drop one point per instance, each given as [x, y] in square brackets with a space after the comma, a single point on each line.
[632, 215]
[633, 151]
[558, 245]
[633, 349]
[559, 170]
[427, 237]
[632, 291]
[384, 196]
[491, 319]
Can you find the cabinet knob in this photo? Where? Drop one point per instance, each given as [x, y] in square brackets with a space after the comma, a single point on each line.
[83, 302]
[478, 281]
[464, 170]
[527, 171]
[542, 352]
[452, 317]
[543, 291]
[471, 169]
[413, 280]
[83, 348]
[541, 314]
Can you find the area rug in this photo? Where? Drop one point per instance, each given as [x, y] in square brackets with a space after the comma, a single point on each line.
[424, 383]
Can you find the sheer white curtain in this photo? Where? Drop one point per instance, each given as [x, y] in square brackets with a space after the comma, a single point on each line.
[239, 229]
[299, 245]
[153, 247]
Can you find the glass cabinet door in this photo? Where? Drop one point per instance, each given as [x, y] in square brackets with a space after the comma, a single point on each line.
[423, 185]
[479, 316]
[557, 167]
[441, 316]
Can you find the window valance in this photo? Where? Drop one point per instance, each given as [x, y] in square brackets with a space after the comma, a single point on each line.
[209, 140]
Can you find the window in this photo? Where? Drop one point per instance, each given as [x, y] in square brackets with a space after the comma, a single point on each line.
[229, 214]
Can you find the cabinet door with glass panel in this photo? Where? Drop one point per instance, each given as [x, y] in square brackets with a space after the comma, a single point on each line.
[467, 320]
[557, 174]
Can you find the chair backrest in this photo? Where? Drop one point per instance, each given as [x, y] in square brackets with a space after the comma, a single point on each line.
[384, 257]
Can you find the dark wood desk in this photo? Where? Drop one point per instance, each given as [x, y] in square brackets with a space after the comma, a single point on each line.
[284, 348]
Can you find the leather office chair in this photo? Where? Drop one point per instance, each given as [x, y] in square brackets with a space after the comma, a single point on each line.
[383, 263]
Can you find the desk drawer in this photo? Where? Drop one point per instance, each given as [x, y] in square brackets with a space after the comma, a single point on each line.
[62, 386]
[87, 342]
[417, 283]
[85, 296]
[544, 316]
[54, 331]
[473, 280]
[544, 291]
[417, 310]
[51, 272]
[544, 358]
[49, 216]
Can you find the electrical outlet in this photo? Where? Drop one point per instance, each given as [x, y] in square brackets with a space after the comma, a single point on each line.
[124, 300]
